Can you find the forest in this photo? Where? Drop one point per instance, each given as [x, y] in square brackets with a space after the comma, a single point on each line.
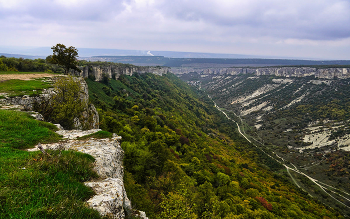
[302, 121]
[12, 64]
[186, 160]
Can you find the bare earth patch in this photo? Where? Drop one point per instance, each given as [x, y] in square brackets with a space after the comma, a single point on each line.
[24, 76]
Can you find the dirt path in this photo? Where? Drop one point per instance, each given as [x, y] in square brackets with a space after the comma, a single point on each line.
[323, 186]
[24, 76]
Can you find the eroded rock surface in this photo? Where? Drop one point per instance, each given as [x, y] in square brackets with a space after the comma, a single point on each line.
[110, 198]
[115, 71]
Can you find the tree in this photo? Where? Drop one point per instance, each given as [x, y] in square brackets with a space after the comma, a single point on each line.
[65, 57]
[65, 106]
[3, 66]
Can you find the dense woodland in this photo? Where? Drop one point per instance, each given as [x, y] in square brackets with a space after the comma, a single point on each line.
[42, 65]
[183, 159]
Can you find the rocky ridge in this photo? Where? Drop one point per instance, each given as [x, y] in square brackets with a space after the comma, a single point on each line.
[326, 73]
[111, 198]
[115, 71]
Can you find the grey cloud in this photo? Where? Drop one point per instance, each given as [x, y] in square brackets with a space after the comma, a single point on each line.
[197, 25]
[302, 19]
[295, 19]
[51, 10]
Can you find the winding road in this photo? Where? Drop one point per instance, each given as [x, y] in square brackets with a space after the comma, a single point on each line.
[323, 186]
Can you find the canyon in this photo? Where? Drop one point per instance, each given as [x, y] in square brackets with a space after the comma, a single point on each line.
[320, 72]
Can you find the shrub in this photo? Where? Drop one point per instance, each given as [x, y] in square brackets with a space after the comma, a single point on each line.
[65, 105]
[3, 66]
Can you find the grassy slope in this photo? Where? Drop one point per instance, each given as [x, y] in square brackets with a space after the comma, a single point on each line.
[15, 87]
[36, 186]
[185, 159]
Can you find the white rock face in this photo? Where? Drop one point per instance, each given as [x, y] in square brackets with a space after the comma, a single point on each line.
[107, 152]
[110, 198]
[115, 71]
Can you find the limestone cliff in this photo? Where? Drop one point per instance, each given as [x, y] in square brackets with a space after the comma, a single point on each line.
[97, 72]
[327, 73]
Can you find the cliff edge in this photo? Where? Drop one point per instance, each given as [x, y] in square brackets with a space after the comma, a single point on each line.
[111, 198]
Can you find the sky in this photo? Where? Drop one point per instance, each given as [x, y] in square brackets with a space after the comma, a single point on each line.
[317, 29]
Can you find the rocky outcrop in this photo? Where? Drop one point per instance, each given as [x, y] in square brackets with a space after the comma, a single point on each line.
[115, 71]
[24, 102]
[90, 117]
[88, 120]
[111, 198]
[326, 73]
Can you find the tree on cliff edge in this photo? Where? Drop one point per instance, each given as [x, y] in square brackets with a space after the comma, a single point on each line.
[65, 57]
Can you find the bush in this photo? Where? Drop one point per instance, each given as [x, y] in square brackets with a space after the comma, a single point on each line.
[3, 66]
[65, 106]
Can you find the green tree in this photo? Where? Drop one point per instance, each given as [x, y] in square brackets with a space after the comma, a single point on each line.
[176, 205]
[65, 57]
[65, 106]
[3, 66]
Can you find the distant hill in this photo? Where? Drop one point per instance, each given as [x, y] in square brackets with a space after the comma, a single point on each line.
[20, 56]
[212, 62]
[170, 58]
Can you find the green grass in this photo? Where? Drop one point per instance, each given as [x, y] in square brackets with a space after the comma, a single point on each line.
[34, 185]
[19, 130]
[16, 87]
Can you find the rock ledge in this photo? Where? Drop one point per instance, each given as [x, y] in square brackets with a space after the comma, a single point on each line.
[110, 198]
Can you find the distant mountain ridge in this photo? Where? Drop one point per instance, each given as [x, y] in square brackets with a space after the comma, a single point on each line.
[89, 52]
[213, 62]
[325, 71]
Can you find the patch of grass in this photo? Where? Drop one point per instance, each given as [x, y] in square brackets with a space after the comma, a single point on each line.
[19, 130]
[99, 135]
[34, 185]
[16, 87]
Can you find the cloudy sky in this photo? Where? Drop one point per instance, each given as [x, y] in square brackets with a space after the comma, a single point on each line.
[281, 28]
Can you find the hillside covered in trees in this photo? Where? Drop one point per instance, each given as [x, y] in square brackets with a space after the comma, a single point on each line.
[184, 159]
[301, 121]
